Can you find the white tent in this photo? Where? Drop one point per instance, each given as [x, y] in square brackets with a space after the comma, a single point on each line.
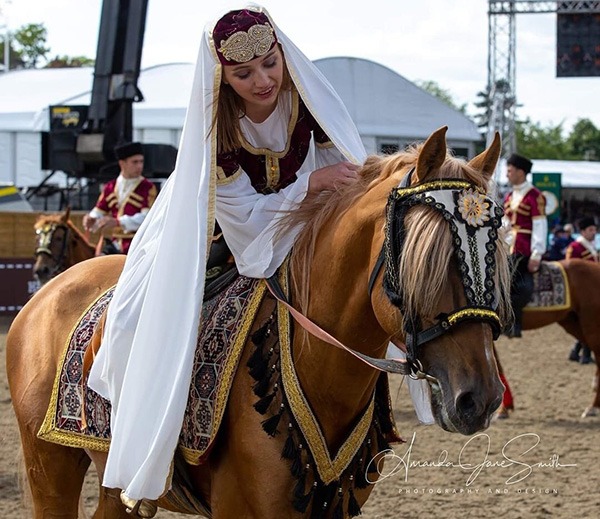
[389, 110]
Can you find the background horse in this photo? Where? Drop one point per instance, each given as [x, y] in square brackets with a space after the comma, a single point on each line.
[60, 245]
[581, 318]
[248, 472]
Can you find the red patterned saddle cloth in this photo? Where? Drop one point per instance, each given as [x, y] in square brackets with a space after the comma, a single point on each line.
[78, 417]
[550, 288]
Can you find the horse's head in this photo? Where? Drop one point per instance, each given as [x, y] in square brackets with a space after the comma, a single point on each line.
[444, 281]
[56, 240]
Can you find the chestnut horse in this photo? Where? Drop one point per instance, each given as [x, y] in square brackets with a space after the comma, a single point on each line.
[60, 245]
[338, 281]
[581, 318]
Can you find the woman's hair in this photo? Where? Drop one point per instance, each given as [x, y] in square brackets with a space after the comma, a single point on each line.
[230, 109]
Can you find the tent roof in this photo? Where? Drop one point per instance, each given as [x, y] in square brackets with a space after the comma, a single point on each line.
[383, 103]
[408, 111]
[575, 173]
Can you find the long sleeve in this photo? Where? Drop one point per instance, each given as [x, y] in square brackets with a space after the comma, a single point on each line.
[539, 236]
[249, 223]
[249, 220]
[133, 222]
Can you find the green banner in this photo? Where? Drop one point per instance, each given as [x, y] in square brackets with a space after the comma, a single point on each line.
[551, 187]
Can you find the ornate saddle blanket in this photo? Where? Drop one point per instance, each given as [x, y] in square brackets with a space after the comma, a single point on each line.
[550, 288]
[79, 417]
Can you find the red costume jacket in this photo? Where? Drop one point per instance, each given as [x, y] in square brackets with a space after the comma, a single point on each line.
[532, 205]
[141, 197]
[579, 250]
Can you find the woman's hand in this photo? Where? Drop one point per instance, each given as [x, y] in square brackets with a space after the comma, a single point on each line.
[331, 177]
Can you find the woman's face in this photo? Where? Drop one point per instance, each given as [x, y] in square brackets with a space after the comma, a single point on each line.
[258, 83]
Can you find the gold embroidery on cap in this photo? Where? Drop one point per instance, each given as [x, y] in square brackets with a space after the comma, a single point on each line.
[244, 46]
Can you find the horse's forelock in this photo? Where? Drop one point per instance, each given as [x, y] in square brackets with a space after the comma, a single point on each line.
[428, 237]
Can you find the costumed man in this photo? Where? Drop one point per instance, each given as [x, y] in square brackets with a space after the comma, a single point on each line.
[527, 235]
[525, 219]
[583, 248]
[124, 202]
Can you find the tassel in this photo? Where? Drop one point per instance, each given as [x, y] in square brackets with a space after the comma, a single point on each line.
[372, 467]
[256, 358]
[301, 503]
[297, 469]
[289, 449]
[261, 387]
[299, 488]
[260, 335]
[263, 404]
[270, 425]
[360, 481]
[338, 512]
[353, 506]
[324, 496]
[259, 371]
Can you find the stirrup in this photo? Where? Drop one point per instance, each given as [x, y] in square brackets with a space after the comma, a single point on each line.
[139, 507]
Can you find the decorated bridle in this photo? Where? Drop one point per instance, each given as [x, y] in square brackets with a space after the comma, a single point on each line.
[473, 219]
[45, 236]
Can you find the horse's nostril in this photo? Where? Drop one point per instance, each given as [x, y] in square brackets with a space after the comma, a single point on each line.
[467, 405]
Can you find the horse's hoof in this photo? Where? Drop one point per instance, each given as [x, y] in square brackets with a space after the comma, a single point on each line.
[590, 411]
[139, 507]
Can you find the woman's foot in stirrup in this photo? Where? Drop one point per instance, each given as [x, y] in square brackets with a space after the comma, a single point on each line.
[139, 507]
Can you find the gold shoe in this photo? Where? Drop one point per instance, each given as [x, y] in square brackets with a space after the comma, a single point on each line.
[139, 507]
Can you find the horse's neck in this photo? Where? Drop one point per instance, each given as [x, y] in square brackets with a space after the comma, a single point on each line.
[340, 303]
[83, 250]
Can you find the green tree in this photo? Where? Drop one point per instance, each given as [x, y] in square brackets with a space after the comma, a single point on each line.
[541, 143]
[584, 141]
[442, 94]
[70, 62]
[30, 43]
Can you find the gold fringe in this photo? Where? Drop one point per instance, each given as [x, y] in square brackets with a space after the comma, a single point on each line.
[48, 430]
[193, 456]
[329, 470]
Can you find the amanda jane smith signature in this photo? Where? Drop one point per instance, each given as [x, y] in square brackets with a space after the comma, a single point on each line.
[472, 458]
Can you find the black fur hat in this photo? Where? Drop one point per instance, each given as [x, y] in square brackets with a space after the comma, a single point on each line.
[518, 161]
[585, 222]
[129, 149]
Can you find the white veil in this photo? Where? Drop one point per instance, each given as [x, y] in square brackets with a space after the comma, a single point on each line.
[144, 365]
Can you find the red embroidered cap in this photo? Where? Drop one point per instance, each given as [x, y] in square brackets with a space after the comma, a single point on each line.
[243, 35]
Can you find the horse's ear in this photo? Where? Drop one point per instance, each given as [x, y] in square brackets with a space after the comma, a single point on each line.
[432, 155]
[486, 162]
[65, 217]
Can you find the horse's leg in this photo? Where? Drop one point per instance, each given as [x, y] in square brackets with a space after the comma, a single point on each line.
[109, 499]
[55, 474]
[249, 477]
[587, 330]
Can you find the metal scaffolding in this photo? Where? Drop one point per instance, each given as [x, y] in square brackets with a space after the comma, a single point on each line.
[501, 86]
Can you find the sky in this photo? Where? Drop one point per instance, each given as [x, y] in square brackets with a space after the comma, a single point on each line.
[426, 40]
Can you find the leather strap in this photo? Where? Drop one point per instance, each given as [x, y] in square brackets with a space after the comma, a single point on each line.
[401, 367]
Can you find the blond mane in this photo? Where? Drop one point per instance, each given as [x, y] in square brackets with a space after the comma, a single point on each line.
[428, 249]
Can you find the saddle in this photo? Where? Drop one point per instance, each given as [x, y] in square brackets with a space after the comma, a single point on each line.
[550, 288]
